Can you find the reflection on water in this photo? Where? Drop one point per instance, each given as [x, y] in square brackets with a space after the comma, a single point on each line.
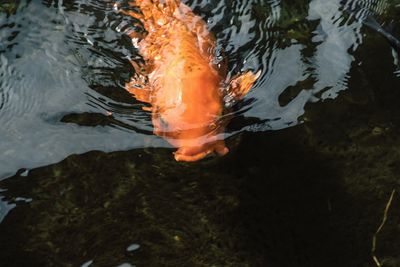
[5, 208]
[62, 72]
[71, 58]
[43, 80]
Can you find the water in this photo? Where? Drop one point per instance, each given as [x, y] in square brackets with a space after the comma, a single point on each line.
[313, 146]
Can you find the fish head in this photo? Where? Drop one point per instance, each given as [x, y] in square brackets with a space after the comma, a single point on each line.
[193, 122]
[194, 144]
[195, 153]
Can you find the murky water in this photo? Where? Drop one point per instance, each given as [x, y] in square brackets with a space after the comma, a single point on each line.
[314, 145]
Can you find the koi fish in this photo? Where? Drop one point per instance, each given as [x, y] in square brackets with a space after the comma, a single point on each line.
[186, 87]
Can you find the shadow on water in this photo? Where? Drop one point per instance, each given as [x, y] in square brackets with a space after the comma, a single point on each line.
[286, 207]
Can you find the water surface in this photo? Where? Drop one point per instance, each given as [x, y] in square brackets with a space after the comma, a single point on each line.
[314, 145]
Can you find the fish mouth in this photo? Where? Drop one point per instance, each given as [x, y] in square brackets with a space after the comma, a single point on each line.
[191, 158]
[192, 154]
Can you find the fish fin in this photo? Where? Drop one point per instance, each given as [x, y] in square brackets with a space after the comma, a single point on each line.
[128, 9]
[141, 70]
[241, 85]
[150, 109]
[141, 94]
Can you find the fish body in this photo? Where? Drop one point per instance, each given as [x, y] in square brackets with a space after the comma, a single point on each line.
[181, 79]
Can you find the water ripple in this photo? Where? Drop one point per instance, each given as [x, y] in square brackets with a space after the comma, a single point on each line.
[5, 71]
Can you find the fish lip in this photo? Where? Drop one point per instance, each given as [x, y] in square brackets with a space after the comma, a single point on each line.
[219, 149]
[181, 157]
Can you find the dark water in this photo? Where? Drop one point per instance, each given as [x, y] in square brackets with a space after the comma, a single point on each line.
[314, 146]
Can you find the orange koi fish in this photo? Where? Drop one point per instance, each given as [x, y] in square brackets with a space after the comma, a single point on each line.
[186, 89]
